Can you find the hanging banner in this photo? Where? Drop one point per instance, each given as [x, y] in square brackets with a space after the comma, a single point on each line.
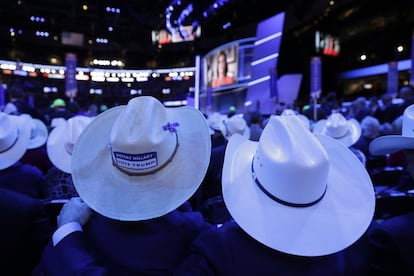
[71, 86]
[273, 84]
[316, 77]
[392, 80]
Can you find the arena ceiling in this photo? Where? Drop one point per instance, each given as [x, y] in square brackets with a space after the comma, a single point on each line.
[364, 25]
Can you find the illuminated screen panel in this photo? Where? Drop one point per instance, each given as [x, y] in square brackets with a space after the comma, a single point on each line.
[221, 67]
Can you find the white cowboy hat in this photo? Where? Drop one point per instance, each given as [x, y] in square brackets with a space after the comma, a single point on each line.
[62, 139]
[305, 120]
[14, 138]
[57, 122]
[392, 143]
[292, 192]
[215, 120]
[338, 127]
[235, 124]
[39, 132]
[141, 160]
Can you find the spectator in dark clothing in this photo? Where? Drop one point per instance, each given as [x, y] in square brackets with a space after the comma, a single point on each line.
[17, 104]
[25, 230]
[14, 139]
[135, 185]
[390, 144]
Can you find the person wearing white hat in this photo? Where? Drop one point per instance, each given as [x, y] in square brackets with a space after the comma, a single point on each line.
[235, 124]
[62, 138]
[15, 133]
[36, 153]
[296, 210]
[215, 121]
[346, 131]
[390, 144]
[133, 167]
[210, 193]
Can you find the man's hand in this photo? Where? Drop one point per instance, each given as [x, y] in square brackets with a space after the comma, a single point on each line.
[75, 210]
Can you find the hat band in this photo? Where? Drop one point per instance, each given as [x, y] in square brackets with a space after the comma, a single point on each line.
[157, 168]
[281, 201]
[12, 144]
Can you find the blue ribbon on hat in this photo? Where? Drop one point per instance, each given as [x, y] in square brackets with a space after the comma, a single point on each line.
[171, 127]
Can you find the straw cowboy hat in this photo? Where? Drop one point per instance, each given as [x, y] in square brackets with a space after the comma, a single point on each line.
[292, 192]
[392, 143]
[141, 160]
[14, 138]
[62, 140]
[39, 132]
[338, 127]
[235, 124]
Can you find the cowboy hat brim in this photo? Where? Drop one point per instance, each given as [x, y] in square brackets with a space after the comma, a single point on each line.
[56, 151]
[18, 149]
[390, 143]
[41, 135]
[117, 195]
[334, 223]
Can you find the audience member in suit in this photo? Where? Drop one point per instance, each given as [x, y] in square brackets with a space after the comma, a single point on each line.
[215, 120]
[14, 139]
[370, 129]
[36, 153]
[255, 125]
[213, 207]
[17, 103]
[391, 144]
[25, 231]
[393, 242]
[133, 172]
[281, 226]
[387, 111]
[62, 138]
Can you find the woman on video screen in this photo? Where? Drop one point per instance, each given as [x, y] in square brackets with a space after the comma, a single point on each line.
[222, 78]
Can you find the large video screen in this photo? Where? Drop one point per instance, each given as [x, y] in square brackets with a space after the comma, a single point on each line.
[221, 67]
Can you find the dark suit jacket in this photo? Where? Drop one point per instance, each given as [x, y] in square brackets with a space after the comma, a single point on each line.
[230, 251]
[23, 178]
[224, 251]
[393, 244]
[25, 231]
[151, 247]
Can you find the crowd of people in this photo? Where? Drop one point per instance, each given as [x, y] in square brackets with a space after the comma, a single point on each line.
[149, 190]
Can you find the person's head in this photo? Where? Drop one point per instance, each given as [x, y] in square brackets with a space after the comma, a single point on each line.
[370, 127]
[16, 92]
[141, 160]
[58, 103]
[222, 63]
[405, 92]
[235, 124]
[296, 192]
